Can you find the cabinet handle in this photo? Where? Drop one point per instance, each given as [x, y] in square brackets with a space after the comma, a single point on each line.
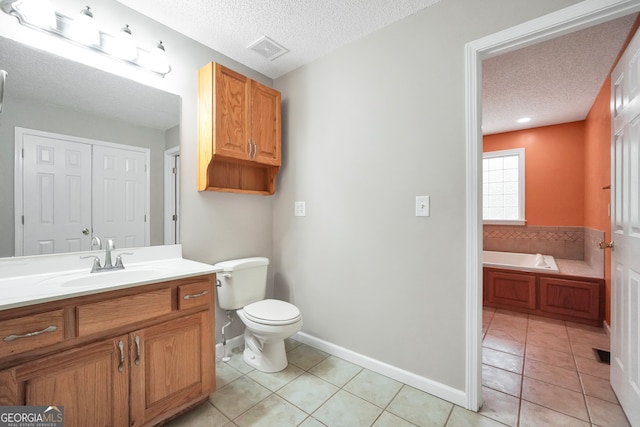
[250, 148]
[255, 150]
[121, 365]
[201, 294]
[137, 340]
[10, 338]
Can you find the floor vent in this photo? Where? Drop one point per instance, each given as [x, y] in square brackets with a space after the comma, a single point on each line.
[603, 356]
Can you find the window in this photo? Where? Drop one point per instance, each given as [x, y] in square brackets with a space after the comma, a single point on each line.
[503, 187]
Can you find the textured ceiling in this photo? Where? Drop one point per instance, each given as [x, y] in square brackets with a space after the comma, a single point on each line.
[45, 78]
[551, 82]
[309, 29]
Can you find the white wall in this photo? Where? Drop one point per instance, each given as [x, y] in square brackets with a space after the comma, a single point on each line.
[366, 129]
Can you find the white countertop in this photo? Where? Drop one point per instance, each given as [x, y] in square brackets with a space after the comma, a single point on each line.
[37, 279]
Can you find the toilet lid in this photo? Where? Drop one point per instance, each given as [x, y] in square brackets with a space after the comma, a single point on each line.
[272, 311]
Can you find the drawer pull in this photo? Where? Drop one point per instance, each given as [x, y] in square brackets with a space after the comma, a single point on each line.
[137, 340]
[121, 365]
[10, 338]
[201, 294]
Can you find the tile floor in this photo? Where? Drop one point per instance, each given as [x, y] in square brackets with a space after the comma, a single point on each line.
[536, 372]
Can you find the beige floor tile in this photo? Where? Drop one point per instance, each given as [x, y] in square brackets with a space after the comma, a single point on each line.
[606, 414]
[225, 374]
[500, 407]
[501, 380]
[373, 387]
[550, 357]
[237, 362]
[238, 396]
[507, 333]
[504, 345]
[335, 370]
[550, 341]
[306, 357]
[420, 408]
[461, 417]
[276, 380]
[346, 410]
[499, 359]
[532, 415]
[307, 392]
[312, 422]
[584, 349]
[204, 415]
[553, 374]
[553, 397]
[592, 367]
[290, 344]
[387, 419]
[598, 387]
[273, 411]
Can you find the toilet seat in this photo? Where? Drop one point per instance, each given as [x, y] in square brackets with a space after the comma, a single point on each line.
[272, 312]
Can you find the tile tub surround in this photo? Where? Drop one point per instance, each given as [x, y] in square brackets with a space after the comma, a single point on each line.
[570, 243]
[536, 372]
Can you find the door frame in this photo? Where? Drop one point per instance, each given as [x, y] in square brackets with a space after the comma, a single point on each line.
[171, 195]
[573, 18]
[18, 182]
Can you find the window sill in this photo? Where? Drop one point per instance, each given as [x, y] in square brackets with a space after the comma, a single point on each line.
[504, 222]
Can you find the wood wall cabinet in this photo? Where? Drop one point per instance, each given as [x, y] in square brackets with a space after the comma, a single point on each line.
[575, 299]
[239, 132]
[127, 370]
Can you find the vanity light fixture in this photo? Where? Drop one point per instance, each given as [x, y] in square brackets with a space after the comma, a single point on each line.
[121, 47]
[84, 28]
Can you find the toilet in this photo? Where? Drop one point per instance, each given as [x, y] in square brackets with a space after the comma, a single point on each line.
[242, 286]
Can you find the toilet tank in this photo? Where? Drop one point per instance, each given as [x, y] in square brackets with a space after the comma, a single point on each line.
[241, 282]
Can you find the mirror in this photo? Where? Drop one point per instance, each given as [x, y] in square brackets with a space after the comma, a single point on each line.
[52, 94]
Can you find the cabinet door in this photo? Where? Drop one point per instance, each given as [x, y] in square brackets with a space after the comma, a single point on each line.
[511, 289]
[91, 383]
[231, 117]
[265, 124]
[171, 367]
[570, 297]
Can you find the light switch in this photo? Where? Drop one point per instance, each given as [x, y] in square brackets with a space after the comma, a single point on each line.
[422, 205]
[299, 209]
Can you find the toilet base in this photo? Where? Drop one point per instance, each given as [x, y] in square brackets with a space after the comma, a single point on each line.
[268, 357]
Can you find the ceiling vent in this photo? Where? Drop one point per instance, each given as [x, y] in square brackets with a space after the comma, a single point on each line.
[267, 48]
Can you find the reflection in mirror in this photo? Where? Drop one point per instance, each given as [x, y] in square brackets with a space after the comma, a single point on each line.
[50, 94]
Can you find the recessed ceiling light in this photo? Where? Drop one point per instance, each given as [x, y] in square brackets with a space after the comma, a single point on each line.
[524, 120]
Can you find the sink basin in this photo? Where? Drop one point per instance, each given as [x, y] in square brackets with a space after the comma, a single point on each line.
[104, 278]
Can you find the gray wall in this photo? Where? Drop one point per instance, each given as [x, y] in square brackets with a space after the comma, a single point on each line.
[49, 118]
[366, 129]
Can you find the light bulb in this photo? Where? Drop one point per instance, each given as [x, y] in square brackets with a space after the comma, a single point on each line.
[37, 12]
[125, 45]
[158, 59]
[84, 28]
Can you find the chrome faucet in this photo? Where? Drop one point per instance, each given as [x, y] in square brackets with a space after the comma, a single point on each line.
[108, 265]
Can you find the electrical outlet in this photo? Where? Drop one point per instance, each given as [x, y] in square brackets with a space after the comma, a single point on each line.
[422, 205]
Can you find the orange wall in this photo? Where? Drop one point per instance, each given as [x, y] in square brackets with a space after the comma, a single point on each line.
[597, 175]
[554, 171]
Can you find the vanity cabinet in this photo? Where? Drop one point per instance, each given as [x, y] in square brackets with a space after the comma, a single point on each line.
[576, 299]
[239, 132]
[131, 357]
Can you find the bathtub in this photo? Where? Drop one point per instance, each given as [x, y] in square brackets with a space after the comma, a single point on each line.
[518, 261]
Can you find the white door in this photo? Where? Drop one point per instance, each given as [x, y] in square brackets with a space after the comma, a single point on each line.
[625, 226]
[56, 183]
[119, 196]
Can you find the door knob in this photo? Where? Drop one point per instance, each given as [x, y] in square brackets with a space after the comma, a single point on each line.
[603, 245]
[85, 231]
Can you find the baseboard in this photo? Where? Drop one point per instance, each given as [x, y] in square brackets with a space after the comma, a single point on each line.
[606, 327]
[442, 391]
[231, 344]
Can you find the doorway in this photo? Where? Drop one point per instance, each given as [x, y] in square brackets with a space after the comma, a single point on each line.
[567, 20]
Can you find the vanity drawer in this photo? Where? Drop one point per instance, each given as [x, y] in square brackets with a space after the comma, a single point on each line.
[194, 295]
[26, 333]
[114, 313]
